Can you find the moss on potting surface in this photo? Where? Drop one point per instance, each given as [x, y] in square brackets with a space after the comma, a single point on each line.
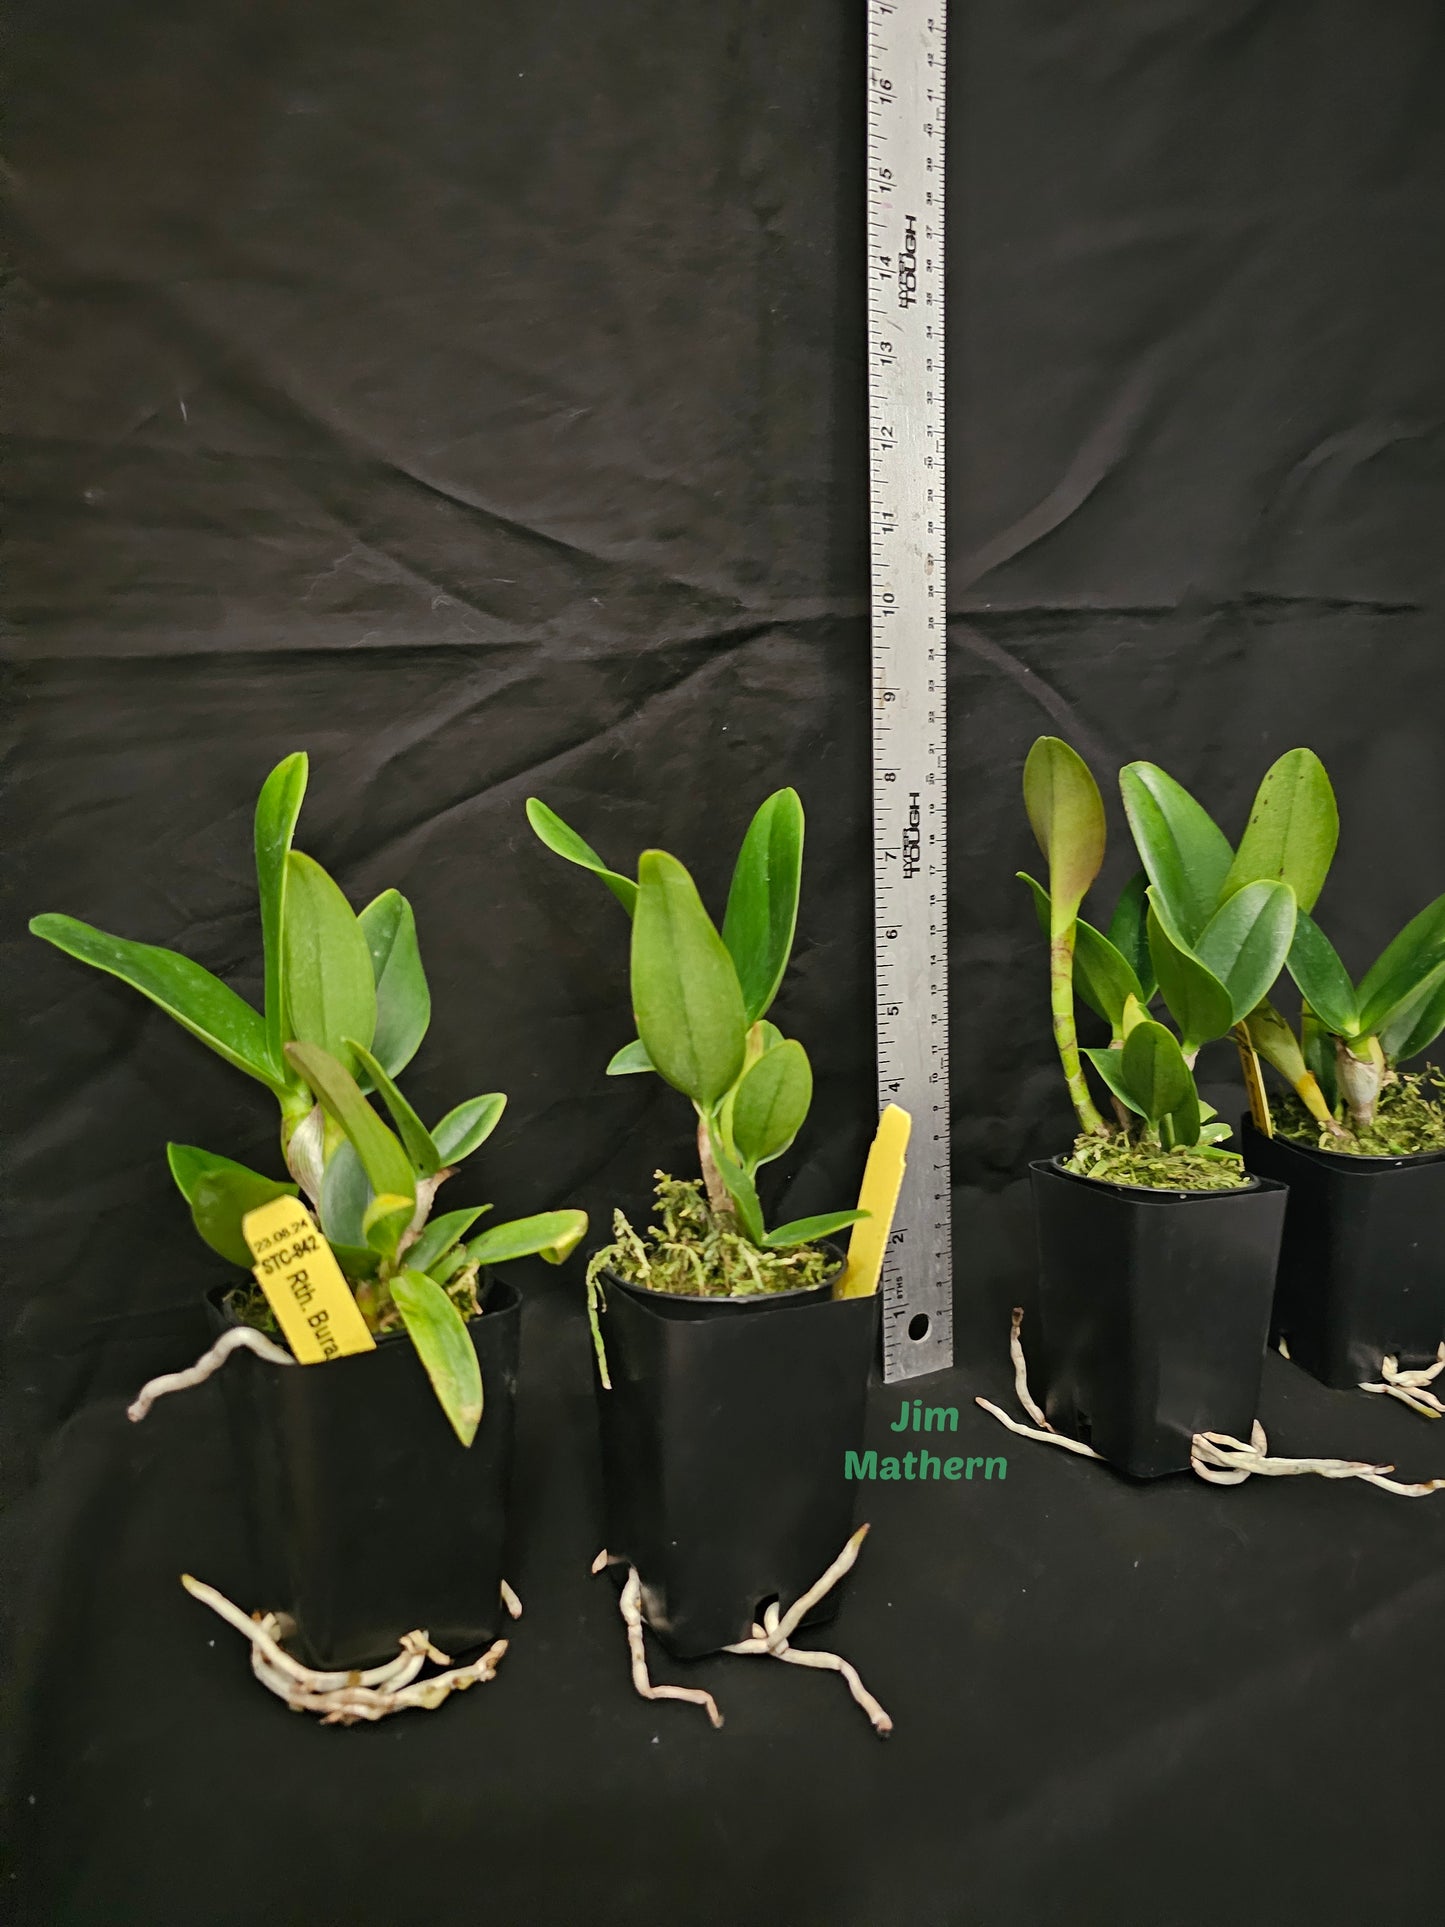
[1118, 1160]
[249, 1304]
[1409, 1120]
[692, 1254]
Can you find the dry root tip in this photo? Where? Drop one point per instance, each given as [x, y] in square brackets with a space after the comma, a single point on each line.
[1409, 1388]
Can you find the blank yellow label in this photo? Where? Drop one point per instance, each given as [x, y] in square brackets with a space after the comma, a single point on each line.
[882, 1181]
[298, 1272]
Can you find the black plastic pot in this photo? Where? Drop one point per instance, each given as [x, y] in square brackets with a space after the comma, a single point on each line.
[1362, 1268]
[366, 1516]
[723, 1442]
[1154, 1312]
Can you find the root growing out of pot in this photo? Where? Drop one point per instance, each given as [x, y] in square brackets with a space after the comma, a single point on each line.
[240, 1338]
[769, 1640]
[1216, 1457]
[344, 1698]
[1410, 1388]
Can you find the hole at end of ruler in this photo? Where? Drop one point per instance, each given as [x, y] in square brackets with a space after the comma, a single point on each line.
[918, 1325]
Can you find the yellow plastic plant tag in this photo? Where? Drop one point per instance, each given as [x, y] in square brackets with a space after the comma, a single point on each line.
[298, 1272]
[882, 1181]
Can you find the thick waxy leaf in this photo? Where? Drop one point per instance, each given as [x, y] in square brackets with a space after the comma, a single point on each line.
[1102, 976]
[199, 1002]
[420, 1146]
[762, 906]
[441, 1234]
[1128, 931]
[356, 1261]
[403, 1002]
[741, 1189]
[330, 992]
[1182, 1127]
[1183, 849]
[560, 837]
[220, 1192]
[444, 1347]
[383, 1159]
[386, 1220]
[1198, 1002]
[771, 1103]
[470, 1124]
[806, 1231]
[1318, 1041]
[1066, 814]
[630, 1059]
[1411, 1024]
[685, 991]
[1155, 1073]
[277, 808]
[1246, 941]
[1323, 981]
[1276, 1043]
[1110, 1066]
[552, 1235]
[345, 1194]
[1400, 965]
[1292, 830]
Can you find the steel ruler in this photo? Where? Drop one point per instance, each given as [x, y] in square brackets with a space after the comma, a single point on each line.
[906, 50]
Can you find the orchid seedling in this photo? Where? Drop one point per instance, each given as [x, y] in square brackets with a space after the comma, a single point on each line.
[1210, 953]
[700, 999]
[346, 1006]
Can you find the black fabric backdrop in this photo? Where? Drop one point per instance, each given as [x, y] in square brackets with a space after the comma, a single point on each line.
[473, 395]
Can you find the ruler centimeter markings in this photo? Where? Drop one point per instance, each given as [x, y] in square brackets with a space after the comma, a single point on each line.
[906, 49]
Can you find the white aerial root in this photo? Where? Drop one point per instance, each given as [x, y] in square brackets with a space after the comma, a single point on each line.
[342, 1698]
[1220, 1459]
[240, 1338]
[1409, 1387]
[769, 1640]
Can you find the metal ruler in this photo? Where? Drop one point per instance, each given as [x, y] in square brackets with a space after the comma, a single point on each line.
[906, 44]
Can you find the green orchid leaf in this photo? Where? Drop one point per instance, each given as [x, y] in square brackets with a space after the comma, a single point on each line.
[386, 1221]
[345, 1194]
[1129, 932]
[356, 1261]
[1196, 999]
[740, 1188]
[1246, 941]
[553, 1235]
[561, 838]
[1110, 1066]
[444, 1346]
[385, 1162]
[420, 1146]
[630, 1059]
[1157, 1078]
[403, 1001]
[441, 1235]
[461, 1131]
[1318, 1044]
[1292, 830]
[1417, 1019]
[330, 992]
[1216, 1133]
[685, 991]
[277, 808]
[1323, 981]
[1103, 977]
[771, 1104]
[762, 907]
[1184, 851]
[1400, 965]
[1182, 1128]
[220, 1192]
[445, 1268]
[1066, 814]
[199, 1002]
[807, 1231]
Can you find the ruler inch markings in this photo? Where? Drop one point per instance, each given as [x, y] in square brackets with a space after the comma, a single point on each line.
[905, 228]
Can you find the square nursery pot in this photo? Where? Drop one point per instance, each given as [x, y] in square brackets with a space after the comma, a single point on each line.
[1362, 1268]
[365, 1516]
[1154, 1308]
[723, 1442]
